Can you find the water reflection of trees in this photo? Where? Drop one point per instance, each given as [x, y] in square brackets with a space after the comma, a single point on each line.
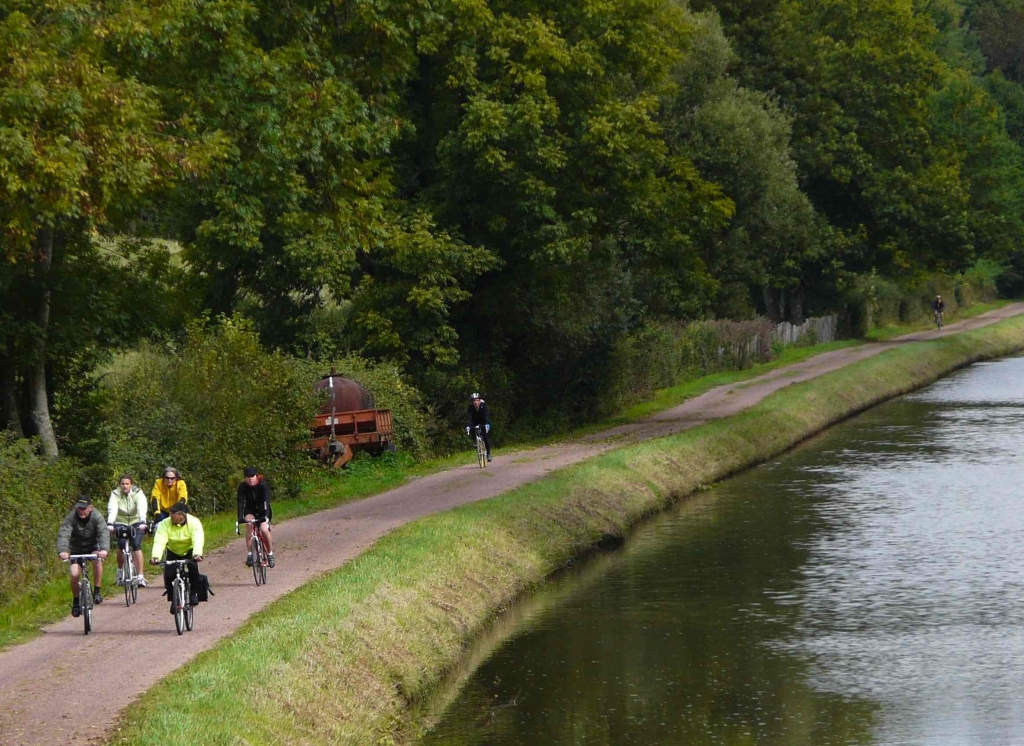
[669, 641]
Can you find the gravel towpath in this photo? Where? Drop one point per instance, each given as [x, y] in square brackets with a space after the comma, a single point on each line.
[60, 687]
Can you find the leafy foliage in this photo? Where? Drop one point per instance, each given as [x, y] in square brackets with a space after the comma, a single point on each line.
[34, 498]
[210, 406]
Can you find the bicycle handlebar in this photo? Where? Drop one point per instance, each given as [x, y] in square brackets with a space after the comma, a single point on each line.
[253, 521]
[81, 557]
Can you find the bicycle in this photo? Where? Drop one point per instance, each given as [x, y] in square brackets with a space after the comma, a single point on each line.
[84, 587]
[181, 596]
[938, 319]
[260, 560]
[129, 580]
[481, 447]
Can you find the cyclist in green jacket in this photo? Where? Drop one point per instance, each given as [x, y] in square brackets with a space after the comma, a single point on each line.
[181, 537]
[126, 509]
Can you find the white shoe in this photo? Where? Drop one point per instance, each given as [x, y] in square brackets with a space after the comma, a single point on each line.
[142, 581]
[120, 577]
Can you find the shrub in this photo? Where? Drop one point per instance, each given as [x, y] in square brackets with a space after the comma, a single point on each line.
[210, 407]
[664, 354]
[875, 302]
[35, 495]
[980, 283]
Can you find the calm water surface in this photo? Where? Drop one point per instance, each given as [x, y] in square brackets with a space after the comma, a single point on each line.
[867, 588]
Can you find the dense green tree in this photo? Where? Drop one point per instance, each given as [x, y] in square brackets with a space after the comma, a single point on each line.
[1000, 29]
[969, 122]
[297, 111]
[78, 142]
[740, 139]
[539, 139]
[858, 79]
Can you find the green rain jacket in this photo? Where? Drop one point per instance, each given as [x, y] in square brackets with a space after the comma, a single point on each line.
[76, 536]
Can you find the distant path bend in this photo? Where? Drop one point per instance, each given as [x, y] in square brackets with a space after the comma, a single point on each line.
[58, 688]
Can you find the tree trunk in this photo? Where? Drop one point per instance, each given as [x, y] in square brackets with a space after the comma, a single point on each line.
[10, 417]
[771, 304]
[796, 306]
[38, 400]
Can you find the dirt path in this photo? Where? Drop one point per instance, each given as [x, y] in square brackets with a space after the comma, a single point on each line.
[60, 687]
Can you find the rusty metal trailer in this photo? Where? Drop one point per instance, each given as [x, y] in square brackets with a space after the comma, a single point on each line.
[348, 422]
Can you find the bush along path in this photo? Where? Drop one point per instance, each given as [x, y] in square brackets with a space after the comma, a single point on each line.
[49, 685]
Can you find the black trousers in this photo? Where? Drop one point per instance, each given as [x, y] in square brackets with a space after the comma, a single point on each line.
[192, 568]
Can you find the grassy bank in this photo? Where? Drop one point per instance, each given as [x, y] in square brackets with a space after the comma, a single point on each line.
[341, 659]
[23, 616]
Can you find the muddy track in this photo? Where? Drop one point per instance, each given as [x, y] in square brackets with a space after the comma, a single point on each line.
[68, 689]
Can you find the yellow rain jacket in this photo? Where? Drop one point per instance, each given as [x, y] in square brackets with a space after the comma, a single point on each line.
[166, 497]
[179, 539]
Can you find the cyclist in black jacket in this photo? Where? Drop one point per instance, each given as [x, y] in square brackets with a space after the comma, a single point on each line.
[254, 505]
[478, 414]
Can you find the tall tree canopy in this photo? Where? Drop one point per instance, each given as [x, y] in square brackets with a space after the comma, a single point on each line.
[78, 143]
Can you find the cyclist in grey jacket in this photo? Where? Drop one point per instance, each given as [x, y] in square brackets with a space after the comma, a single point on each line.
[84, 532]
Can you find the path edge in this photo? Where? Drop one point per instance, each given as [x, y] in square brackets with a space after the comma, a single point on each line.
[351, 656]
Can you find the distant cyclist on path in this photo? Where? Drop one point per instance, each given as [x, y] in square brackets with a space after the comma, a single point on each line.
[254, 506]
[84, 532]
[938, 306]
[478, 414]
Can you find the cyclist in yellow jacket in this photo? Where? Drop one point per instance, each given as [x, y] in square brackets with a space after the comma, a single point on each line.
[181, 537]
[168, 490]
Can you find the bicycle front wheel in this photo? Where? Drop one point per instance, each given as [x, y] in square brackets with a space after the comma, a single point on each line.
[481, 453]
[179, 606]
[85, 601]
[129, 578]
[263, 563]
[257, 560]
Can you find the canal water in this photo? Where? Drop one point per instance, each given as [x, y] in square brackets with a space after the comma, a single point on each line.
[867, 588]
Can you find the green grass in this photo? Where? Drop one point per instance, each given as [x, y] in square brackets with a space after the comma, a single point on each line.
[348, 657]
[891, 331]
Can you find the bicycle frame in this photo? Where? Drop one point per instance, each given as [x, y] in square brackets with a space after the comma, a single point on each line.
[129, 570]
[481, 447]
[85, 600]
[181, 594]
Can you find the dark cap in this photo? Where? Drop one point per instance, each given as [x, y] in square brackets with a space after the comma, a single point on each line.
[250, 471]
[179, 507]
[83, 501]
